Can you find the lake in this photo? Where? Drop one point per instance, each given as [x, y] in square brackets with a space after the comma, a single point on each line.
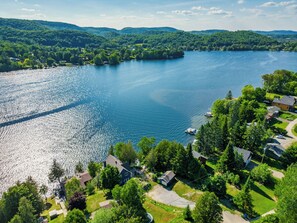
[75, 113]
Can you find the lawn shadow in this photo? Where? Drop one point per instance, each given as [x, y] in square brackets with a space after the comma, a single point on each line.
[260, 191]
[47, 206]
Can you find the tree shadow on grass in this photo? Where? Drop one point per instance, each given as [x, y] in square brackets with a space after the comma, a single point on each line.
[260, 191]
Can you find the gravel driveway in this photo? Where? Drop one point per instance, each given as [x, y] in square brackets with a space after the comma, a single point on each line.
[162, 195]
[169, 197]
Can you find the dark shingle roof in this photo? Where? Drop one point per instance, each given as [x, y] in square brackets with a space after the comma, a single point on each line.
[115, 162]
[275, 148]
[245, 153]
[286, 100]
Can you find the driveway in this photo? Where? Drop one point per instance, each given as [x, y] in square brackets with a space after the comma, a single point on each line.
[232, 218]
[162, 195]
[290, 138]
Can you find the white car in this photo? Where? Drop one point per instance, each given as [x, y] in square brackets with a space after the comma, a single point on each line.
[280, 137]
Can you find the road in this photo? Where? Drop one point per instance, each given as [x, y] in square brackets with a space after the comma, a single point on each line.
[169, 197]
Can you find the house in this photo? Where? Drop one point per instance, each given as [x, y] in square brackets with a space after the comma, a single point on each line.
[272, 112]
[200, 157]
[285, 103]
[166, 178]
[84, 178]
[124, 168]
[246, 154]
[274, 150]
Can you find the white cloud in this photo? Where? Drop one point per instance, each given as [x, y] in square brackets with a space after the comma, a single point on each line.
[199, 8]
[240, 1]
[28, 10]
[254, 11]
[277, 4]
[219, 11]
[183, 12]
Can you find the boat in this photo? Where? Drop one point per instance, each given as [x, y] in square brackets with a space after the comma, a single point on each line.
[191, 131]
[208, 115]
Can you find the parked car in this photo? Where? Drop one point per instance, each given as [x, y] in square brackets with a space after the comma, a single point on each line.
[280, 137]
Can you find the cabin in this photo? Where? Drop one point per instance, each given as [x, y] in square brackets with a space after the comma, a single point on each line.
[272, 112]
[246, 154]
[274, 150]
[124, 168]
[84, 179]
[200, 157]
[167, 178]
[286, 103]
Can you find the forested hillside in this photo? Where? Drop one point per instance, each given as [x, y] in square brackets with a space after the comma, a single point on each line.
[39, 44]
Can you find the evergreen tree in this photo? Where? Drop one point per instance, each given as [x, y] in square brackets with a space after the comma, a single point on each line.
[187, 213]
[56, 172]
[26, 211]
[227, 160]
[229, 95]
[207, 209]
[243, 200]
[79, 167]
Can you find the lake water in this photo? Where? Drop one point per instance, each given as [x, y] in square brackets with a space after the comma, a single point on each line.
[75, 114]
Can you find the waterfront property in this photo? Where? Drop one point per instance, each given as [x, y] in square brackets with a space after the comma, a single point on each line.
[285, 103]
[84, 178]
[200, 157]
[124, 169]
[167, 178]
[246, 155]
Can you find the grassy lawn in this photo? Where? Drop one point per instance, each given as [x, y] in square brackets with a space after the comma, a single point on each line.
[288, 116]
[94, 200]
[280, 124]
[271, 96]
[50, 205]
[163, 213]
[262, 198]
[186, 191]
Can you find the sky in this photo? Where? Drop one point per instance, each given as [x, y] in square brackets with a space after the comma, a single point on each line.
[185, 15]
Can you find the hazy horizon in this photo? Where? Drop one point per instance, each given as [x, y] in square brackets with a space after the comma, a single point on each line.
[263, 15]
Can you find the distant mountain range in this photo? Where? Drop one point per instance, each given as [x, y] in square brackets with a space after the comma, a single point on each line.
[105, 31]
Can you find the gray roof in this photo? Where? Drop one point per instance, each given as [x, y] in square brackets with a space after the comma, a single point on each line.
[245, 153]
[115, 162]
[167, 176]
[198, 155]
[273, 109]
[275, 148]
[286, 100]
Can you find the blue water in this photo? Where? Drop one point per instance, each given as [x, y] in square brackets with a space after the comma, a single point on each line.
[75, 114]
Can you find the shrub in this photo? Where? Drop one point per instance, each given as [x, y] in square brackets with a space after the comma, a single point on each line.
[262, 174]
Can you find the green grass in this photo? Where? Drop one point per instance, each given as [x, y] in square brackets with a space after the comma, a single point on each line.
[94, 200]
[164, 213]
[186, 191]
[263, 198]
[288, 116]
[271, 96]
[282, 125]
[50, 205]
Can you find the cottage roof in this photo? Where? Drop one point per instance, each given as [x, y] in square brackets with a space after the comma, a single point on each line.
[115, 162]
[245, 153]
[285, 100]
[167, 176]
[275, 148]
[273, 109]
[197, 155]
[84, 178]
